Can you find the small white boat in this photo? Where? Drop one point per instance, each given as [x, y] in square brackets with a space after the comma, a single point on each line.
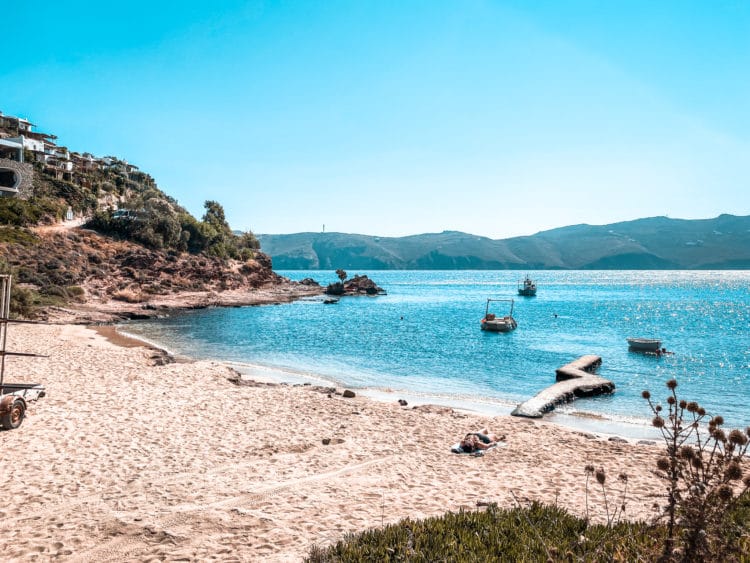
[527, 287]
[493, 323]
[644, 344]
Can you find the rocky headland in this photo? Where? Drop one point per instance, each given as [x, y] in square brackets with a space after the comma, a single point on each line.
[89, 278]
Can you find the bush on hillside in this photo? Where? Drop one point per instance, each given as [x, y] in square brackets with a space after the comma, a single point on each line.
[159, 223]
[25, 212]
[17, 235]
[23, 301]
[66, 194]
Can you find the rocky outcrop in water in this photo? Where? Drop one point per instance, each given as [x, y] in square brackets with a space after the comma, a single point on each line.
[358, 285]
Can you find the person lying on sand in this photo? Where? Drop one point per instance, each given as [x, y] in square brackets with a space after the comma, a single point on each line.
[483, 440]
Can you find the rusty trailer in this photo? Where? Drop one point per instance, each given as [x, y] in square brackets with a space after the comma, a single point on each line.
[14, 397]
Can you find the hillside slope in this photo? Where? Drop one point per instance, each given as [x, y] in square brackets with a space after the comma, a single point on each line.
[56, 266]
[653, 243]
[146, 246]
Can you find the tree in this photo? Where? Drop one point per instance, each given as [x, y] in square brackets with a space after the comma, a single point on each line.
[342, 275]
[215, 218]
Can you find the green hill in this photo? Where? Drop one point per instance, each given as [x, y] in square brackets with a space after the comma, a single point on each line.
[643, 244]
[137, 241]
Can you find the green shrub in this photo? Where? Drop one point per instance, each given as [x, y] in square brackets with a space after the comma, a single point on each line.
[75, 290]
[534, 533]
[129, 296]
[16, 235]
[22, 303]
[63, 194]
[336, 288]
[28, 212]
[76, 293]
[54, 291]
[158, 222]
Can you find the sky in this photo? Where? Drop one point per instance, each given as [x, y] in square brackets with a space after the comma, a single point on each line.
[390, 118]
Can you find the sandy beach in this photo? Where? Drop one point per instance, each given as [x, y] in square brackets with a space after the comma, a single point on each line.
[133, 458]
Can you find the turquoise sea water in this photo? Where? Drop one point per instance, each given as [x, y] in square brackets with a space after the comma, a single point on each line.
[424, 337]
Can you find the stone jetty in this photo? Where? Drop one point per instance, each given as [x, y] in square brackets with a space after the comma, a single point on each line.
[576, 379]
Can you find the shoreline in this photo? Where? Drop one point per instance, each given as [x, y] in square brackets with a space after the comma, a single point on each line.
[132, 458]
[96, 312]
[575, 420]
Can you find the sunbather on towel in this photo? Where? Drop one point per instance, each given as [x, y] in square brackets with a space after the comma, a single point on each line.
[475, 441]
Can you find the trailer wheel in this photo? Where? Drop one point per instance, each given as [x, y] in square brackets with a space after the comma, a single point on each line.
[14, 418]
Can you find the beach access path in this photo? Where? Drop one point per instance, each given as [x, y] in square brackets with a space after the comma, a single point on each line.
[132, 458]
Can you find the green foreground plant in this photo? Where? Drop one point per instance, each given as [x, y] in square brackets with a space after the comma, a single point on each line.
[532, 533]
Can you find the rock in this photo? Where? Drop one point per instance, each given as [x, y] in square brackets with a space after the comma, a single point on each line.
[646, 443]
[362, 284]
[162, 359]
[237, 380]
[335, 289]
[437, 409]
[133, 316]
[402, 402]
[327, 441]
[358, 285]
[618, 440]
[348, 394]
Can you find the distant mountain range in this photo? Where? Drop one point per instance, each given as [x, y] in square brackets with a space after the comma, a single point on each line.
[655, 243]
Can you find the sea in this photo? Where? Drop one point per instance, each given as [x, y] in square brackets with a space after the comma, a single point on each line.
[422, 341]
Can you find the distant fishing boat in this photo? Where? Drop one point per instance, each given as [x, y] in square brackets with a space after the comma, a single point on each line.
[527, 287]
[644, 344]
[493, 323]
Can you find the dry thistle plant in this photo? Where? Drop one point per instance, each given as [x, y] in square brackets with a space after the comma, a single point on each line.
[702, 466]
[614, 513]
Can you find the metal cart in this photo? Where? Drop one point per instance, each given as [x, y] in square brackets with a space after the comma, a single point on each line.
[14, 397]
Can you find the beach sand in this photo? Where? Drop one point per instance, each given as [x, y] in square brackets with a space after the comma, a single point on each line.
[129, 458]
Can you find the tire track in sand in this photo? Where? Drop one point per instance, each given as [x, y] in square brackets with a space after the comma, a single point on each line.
[96, 499]
[121, 547]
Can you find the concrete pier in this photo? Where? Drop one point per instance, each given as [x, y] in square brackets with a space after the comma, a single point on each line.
[576, 379]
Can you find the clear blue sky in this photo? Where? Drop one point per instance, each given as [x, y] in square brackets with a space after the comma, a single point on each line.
[387, 117]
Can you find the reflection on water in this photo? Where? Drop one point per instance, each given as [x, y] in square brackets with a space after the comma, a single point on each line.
[424, 336]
